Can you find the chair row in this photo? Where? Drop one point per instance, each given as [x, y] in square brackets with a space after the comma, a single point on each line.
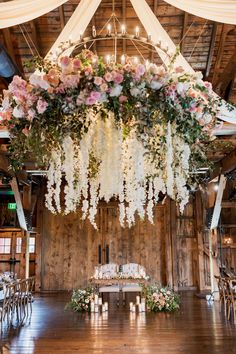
[17, 300]
[227, 296]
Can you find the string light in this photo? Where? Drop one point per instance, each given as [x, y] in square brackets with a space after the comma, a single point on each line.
[108, 59]
[123, 59]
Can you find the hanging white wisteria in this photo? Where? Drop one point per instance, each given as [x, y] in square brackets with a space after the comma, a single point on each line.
[110, 131]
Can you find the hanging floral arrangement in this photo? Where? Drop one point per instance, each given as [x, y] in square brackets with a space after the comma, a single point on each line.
[110, 131]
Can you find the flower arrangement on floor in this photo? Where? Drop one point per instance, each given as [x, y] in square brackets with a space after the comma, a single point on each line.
[110, 130]
[160, 298]
[81, 300]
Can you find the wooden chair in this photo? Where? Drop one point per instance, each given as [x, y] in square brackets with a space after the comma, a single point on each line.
[5, 305]
[222, 295]
[230, 298]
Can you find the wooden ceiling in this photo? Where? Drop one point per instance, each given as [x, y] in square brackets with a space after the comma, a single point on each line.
[208, 46]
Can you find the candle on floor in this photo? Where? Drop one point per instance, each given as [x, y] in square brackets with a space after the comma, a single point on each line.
[106, 306]
[92, 306]
[140, 308]
[96, 308]
[103, 308]
[100, 301]
[131, 306]
[96, 299]
[143, 300]
[134, 308]
[137, 300]
[143, 307]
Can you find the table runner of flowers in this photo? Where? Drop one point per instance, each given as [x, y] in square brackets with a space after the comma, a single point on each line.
[110, 131]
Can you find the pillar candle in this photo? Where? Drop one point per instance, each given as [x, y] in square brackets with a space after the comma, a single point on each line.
[143, 300]
[143, 307]
[106, 306]
[140, 308]
[96, 299]
[100, 301]
[103, 308]
[92, 306]
[96, 308]
[137, 300]
[131, 306]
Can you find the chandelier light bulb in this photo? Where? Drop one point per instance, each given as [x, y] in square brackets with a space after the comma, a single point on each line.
[94, 32]
[108, 59]
[123, 30]
[149, 37]
[122, 59]
[137, 32]
[109, 29]
[135, 60]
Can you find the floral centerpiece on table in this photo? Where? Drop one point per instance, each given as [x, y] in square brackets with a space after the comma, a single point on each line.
[81, 300]
[111, 131]
[160, 298]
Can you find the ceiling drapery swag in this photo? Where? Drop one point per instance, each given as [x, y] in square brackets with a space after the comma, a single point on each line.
[16, 12]
[217, 10]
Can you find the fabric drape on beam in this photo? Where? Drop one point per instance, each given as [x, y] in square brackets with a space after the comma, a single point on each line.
[153, 26]
[16, 12]
[76, 25]
[155, 29]
[217, 10]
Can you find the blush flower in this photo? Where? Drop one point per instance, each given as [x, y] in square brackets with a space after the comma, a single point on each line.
[108, 77]
[98, 80]
[118, 78]
[41, 106]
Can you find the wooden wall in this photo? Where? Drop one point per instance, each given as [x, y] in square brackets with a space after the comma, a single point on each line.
[69, 246]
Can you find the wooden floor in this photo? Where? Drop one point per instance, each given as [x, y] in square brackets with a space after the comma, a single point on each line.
[197, 328]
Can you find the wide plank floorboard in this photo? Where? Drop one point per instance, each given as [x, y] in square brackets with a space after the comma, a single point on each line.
[197, 328]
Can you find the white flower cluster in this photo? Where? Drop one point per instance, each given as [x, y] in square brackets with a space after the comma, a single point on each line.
[103, 165]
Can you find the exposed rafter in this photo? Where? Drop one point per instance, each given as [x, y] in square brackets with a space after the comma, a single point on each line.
[184, 30]
[211, 49]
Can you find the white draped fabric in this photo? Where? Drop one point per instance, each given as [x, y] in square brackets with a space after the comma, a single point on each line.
[217, 10]
[16, 12]
[76, 25]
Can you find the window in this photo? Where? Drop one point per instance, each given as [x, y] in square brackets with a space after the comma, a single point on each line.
[32, 245]
[5, 245]
[18, 244]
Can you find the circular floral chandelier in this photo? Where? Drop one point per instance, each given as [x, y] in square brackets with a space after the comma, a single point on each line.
[107, 130]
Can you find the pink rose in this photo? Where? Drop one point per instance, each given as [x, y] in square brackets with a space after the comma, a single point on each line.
[122, 99]
[90, 101]
[108, 77]
[98, 80]
[65, 61]
[76, 64]
[96, 95]
[41, 106]
[118, 78]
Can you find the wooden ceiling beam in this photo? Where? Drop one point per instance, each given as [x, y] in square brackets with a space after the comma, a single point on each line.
[8, 43]
[226, 76]
[211, 50]
[216, 71]
[62, 16]
[35, 37]
[184, 30]
[226, 165]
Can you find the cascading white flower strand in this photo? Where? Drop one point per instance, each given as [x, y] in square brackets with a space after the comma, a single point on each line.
[103, 165]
